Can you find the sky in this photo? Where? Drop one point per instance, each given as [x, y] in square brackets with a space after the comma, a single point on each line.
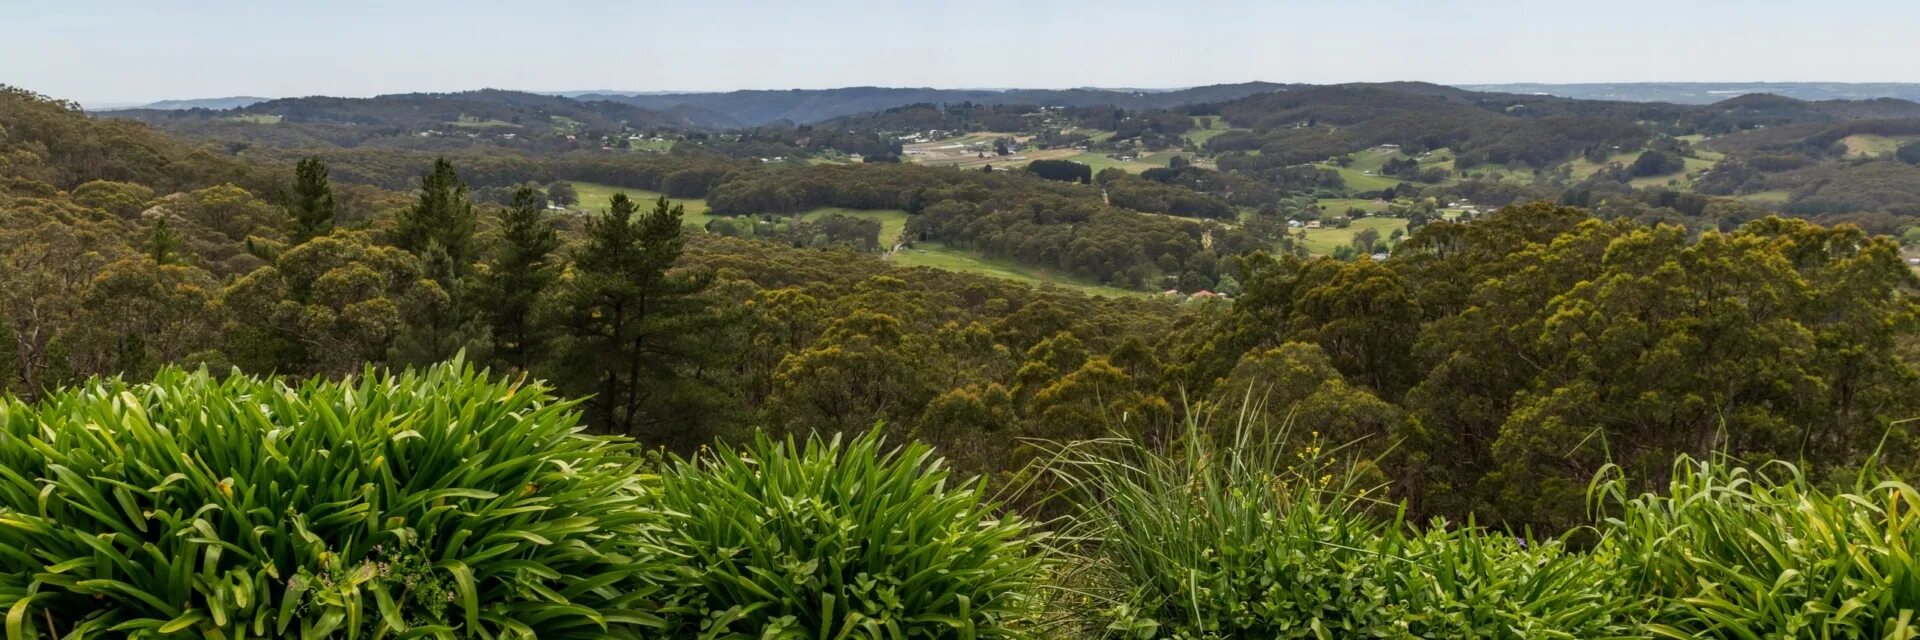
[103, 52]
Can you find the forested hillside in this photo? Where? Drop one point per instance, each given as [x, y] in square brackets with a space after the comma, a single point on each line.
[1640, 341]
[800, 106]
[1372, 361]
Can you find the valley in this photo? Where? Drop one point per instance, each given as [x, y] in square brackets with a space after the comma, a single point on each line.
[859, 320]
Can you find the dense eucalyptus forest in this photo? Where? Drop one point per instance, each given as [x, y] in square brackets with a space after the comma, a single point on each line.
[318, 367]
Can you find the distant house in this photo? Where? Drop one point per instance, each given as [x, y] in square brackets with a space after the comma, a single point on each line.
[1293, 224]
[1313, 224]
[1205, 294]
[1171, 293]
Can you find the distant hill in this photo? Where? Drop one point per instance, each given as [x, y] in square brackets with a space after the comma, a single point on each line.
[804, 106]
[233, 102]
[1710, 92]
[486, 108]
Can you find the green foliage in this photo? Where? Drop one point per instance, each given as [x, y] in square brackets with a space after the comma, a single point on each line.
[441, 223]
[1656, 162]
[119, 198]
[634, 334]
[562, 193]
[524, 267]
[438, 503]
[327, 306]
[1641, 344]
[312, 201]
[1062, 170]
[1255, 537]
[1909, 153]
[1734, 553]
[833, 539]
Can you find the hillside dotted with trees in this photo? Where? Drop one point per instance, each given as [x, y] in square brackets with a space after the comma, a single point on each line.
[373, 390]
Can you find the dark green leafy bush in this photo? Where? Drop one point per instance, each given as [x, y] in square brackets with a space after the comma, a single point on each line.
[845, 540]
[439, 503]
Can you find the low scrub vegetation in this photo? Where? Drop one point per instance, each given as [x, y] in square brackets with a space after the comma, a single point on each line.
[446, 503]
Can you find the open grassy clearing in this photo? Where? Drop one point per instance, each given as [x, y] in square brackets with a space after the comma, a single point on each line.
[468, 122]
[1360, 180]
[1095, 135]
[1584, 168]
[1774, 197]
[1341, 205]
[940, 256]
[1502, 173]
[649, 144]
[1199, 137]
[257, 118]
[1871, 146]
[1099, 161]
[595, 198]
[1363, 174]
[1324, 240]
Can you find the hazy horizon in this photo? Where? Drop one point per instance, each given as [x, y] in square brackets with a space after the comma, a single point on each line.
[127, 52]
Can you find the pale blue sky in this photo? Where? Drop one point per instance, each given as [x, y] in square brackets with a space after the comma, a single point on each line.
[99, 51]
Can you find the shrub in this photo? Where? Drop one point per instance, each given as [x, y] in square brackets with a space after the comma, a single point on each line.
[439, 502]
[1733, 553]
[833, 540]
[1256, 539]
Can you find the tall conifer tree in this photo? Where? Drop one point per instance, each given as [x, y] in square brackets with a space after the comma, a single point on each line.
[313, 214]
[522, 271]
[637, 337]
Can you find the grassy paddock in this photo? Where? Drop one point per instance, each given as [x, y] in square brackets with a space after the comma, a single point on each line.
[1871, 146]
[940, 256]
[1324, 240]
[595, 198]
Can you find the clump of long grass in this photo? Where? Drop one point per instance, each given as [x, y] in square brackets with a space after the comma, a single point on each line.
[1735, 553]
[844, 539]
[438, 503]
[1248, 535]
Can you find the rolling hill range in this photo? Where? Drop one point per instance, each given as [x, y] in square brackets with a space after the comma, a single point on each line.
[482, 109]
[802, 106]
[1710, 92]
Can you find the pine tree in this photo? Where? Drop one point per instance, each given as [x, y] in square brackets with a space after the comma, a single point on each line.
[642, 341]
[442, 217]
[439, 229]
[313, 214]
[522, 271]
[163, 243]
